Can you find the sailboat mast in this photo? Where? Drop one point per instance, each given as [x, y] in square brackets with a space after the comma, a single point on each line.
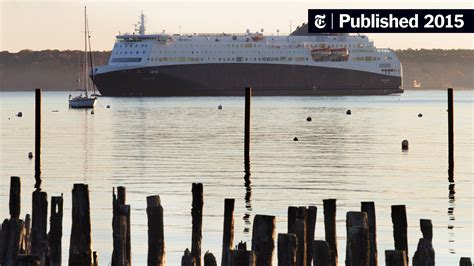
[85, 52]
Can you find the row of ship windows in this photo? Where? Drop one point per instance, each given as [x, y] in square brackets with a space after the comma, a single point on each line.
[390, 70]
[249, 45]
[237, 59]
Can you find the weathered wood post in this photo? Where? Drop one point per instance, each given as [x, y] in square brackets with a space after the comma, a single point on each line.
[400, 224]
[228, 235]
[357, 245]
[27, 235]
[292, 216]
[311, 214]
[121, 254]
[369, 208]
[426, 228]
[15, 197]
[39, 240]
[10, 241]
[56, 230]
[196, 212]
[156, 237]
[330, 228]
[287, 247]
[95, 260]
[322, 253]
[80, 253]
[242, 257]
[301, 231]
[209, 259]
[451, 134]
[465, 261]
[263, 239]
[28, 260]
[248, 96]
[395, 258]
[187, 259]
[38, 138]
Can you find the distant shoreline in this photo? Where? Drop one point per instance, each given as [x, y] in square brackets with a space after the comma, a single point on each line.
[55, 70]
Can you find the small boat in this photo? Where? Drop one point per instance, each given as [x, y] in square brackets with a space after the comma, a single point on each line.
[84, 101]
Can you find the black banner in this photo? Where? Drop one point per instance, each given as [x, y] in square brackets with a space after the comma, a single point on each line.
[391, 20]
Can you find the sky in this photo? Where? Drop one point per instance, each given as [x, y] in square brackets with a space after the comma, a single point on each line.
[40, 25]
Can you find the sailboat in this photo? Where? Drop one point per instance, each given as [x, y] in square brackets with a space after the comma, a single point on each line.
[84, 101]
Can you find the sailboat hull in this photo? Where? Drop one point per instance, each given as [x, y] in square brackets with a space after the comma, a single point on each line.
[82, 103]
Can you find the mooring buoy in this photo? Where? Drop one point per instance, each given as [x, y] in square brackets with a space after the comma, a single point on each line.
[108, 106]
[30, 155]
[19, 114]
[219, 107]
[348, 112]
[295, 139]
[405, 144]
[92, 112]
[420, 115]
[309, 119]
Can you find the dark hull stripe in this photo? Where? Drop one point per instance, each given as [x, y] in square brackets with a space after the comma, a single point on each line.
[230, 79]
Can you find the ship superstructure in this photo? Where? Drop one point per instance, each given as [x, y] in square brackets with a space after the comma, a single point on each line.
[223, 64]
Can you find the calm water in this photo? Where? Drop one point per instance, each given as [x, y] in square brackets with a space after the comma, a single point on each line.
[162, 145]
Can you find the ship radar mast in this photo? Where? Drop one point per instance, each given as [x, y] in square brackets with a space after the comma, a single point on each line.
[141, 23]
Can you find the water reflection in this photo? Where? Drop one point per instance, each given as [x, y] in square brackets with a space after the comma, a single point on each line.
[451, 217]
[248, 203]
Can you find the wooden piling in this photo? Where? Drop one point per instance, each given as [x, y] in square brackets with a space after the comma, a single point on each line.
[357, 244]
[465, 261]
[426, 229]
[242, 257]
[395, 258]
[400, 224]
[451, 131]
[56, 230]
[11, 241]
[38, 138]
[424, 254]
[95, 260]
[187, 259]
[28, 260]
[228, 235]
[80, 253]
[301, 254]
[156, 238]
[248, 96]
[322, 253]
[330, 228]
[15, 197]
[27, 236]
[121, 254]
[287, 248]
[196, 213]
[369, 208]
[209, 259]
[292, 216]
[311, 215]
[263, 239]
[39, 223]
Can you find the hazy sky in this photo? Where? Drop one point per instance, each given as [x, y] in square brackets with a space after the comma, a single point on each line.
[39, 25]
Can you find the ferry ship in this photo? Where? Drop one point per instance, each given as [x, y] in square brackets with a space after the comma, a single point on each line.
[300, 64]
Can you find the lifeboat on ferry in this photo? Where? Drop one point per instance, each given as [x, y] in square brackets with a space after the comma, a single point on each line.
[339, 54]
[320, 54]
[339, 51]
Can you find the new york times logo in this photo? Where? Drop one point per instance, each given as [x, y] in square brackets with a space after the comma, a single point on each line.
[391, 20]
[319, 21]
